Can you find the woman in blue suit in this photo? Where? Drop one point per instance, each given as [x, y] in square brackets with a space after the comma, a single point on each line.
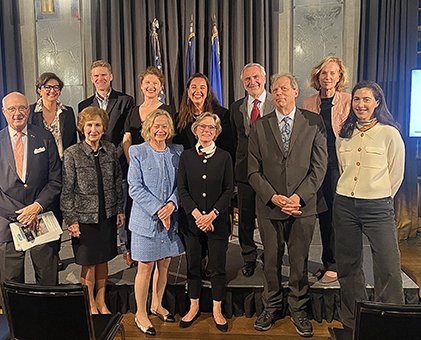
[152, 186]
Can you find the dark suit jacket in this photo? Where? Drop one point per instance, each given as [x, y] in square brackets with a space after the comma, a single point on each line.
[301, 171]
[43, 177]
[240, 123]
[119, 105]
[67, 124]
[225, 141]
[217, 186]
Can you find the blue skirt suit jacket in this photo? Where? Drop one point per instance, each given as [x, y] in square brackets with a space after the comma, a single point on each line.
[152, 184]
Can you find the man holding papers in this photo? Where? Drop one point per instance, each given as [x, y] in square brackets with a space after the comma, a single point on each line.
[30, 183]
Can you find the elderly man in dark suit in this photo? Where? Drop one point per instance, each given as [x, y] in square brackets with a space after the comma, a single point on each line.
[244, 112]
[30, 183]
[286, 166]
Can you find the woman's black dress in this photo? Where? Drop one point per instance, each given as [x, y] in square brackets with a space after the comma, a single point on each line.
[97, 242]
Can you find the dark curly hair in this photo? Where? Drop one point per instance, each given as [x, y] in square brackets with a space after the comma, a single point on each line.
[381, 112]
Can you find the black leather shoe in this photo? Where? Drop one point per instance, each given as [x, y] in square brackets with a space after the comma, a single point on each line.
[248, 269]
[265, 321]
[345, 333]
[222, 327]
[166, 318]
[186, 324]
[149, 330]
[302, 325]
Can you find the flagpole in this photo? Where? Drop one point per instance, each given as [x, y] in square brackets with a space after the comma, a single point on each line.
[191, 51]
[215, 68]
[156, 52]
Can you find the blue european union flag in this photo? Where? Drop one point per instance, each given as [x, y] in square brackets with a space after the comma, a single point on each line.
[215, 70]
[190, 56]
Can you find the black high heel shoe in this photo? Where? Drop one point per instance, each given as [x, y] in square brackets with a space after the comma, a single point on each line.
[186, 324]
[149, 330]
[222, 327]
[166, 318]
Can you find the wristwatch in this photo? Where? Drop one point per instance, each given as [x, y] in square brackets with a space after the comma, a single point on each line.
[216, 212]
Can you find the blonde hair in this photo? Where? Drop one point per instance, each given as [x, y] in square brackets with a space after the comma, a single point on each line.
[203, 116]
[101, 63]
[343, 73]
[90, 113]
[150, 119]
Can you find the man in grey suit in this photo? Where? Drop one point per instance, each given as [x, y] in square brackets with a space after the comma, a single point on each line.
[286, 166]
[244, 112]
[30, 183]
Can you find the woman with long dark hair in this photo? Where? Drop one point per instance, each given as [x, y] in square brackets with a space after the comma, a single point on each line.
[371, 157]
[198, 97]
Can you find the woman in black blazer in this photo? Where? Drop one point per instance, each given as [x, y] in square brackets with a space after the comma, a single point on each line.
[198, 97]
[48, 112]
[205, 185]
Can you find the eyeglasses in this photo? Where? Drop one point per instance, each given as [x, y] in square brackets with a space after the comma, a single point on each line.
[22, 109]
[204, 126]
[48, 88]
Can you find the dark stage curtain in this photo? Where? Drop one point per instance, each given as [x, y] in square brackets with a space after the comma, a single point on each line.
[11, 73]
[388, 52]
[248, 32]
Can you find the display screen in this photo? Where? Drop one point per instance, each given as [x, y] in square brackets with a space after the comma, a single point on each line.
[415, 109]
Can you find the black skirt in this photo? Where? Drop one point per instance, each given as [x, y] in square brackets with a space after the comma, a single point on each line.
[97, 242]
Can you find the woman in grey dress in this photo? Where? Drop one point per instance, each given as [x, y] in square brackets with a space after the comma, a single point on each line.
[92, 203]
[152, 186]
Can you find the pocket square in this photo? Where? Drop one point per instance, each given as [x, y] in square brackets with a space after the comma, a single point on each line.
[39, 150]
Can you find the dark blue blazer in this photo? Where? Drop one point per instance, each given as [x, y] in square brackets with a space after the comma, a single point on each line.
[67, 124]
[43, 177]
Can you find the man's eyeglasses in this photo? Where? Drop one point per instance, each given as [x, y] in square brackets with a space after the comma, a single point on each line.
[204, 126]
[48, 88]
[13, 109]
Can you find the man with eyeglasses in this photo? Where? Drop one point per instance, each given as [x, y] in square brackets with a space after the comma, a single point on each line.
[286, 166]
[30, 183]
[244, 112]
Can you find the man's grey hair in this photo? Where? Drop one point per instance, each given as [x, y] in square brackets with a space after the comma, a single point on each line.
[262, 69]
[291, 78]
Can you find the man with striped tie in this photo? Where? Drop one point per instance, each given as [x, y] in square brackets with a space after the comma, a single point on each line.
[286, 166]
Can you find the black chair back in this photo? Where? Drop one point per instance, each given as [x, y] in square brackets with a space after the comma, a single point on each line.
[383, 321]
[48, 312]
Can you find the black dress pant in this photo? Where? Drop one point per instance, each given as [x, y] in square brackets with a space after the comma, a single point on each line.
[217, 253]
[376, 219]
[297, 234]
[44, 259]
[247, 221]
[325, 219]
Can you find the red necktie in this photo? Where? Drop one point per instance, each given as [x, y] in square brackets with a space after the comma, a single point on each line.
[18, 151]
[255, 111]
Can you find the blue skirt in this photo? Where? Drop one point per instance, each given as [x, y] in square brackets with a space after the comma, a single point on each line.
[147, 249]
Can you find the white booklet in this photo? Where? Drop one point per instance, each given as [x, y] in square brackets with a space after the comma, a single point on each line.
[46, 230]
